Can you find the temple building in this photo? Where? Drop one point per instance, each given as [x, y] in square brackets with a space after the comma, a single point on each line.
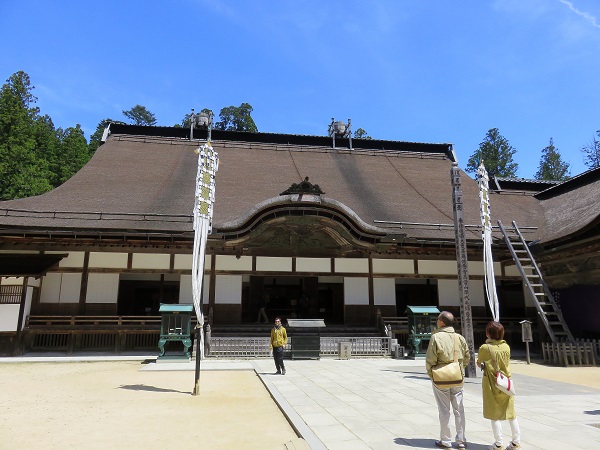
[313, 227]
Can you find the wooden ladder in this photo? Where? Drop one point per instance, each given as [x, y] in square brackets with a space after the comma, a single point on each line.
[543, 299]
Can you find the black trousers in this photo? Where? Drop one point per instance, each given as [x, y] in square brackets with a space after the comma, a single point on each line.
[278, 357]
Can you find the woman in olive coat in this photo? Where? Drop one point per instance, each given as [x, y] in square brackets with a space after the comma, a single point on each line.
[497, 405]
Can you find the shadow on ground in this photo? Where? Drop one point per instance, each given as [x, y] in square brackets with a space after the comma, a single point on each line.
[143, 387]
[430, 443]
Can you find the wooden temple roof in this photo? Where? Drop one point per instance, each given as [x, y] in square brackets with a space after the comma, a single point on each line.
[142, 179]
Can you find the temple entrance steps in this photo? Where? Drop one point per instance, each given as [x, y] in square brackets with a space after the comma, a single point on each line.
[548, 310]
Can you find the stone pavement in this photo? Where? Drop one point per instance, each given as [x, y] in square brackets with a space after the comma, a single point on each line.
[388, 404]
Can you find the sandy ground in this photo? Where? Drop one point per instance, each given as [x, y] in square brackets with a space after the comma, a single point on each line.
[99, 405]
[583, 376]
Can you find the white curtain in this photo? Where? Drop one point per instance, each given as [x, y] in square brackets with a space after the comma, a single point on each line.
[486, 235]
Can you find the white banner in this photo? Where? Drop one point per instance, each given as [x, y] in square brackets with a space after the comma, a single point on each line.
[208, 164]
[486, 235]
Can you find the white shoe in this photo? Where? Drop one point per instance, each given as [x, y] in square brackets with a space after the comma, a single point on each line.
[495, 447]
[513, 446]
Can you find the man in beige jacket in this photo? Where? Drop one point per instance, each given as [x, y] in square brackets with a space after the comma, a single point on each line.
[441, 351]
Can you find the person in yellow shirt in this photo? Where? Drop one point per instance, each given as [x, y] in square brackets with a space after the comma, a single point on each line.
[278, 343]
[441, 351]
[497, 406]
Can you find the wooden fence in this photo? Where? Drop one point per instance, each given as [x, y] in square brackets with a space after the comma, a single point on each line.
[579, 353]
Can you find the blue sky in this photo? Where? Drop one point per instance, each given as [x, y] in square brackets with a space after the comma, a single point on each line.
[408, 70]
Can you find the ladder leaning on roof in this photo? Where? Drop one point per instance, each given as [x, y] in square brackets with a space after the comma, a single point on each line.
[543, 299]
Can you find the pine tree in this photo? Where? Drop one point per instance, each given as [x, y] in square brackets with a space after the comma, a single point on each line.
[552, 167]
[238, 118]
[497, 155]
[73, 153]
[23, 165]
[139, 115]
[592, 153]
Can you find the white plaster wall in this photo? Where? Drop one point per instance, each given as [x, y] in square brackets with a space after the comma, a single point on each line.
[50, 292]
[231, 262]
[448, 293]
[273, 264]
[431, 267]
[9, 314]
[70, 288]
[511, 271]
[150, 261]
[352, 265]
[75, 259]
[356, 291]
[228, 289]
[477, 268]
[400, 266]
[184, 262]
[102, 288]
[185, 290]
[384, 290]
[108, 260]
[60, 287]
[12, 281]
[313, 265]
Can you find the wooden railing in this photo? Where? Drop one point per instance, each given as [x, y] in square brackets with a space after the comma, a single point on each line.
[10, 294]
[77, 333]
[245, 347]
[74, 322]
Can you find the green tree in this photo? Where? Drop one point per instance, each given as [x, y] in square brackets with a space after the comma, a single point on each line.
[47, 145]
[591, 153]
[73, 154]
[361, 134]
[139, 115]
[552, 167]
[23, 133]
[238, 118]
[497, 155]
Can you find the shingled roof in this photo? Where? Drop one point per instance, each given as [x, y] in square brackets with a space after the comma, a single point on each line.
[141, 180]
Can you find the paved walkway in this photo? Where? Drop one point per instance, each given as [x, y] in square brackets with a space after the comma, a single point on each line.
[388, 404]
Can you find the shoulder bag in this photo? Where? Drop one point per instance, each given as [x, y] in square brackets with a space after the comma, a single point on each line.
[449, 374]
[503, 383]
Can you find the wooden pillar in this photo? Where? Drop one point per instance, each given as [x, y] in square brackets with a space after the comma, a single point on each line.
[213, 281]
[371, 292]
[84, 283]
[462, 265]
[17, 347]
